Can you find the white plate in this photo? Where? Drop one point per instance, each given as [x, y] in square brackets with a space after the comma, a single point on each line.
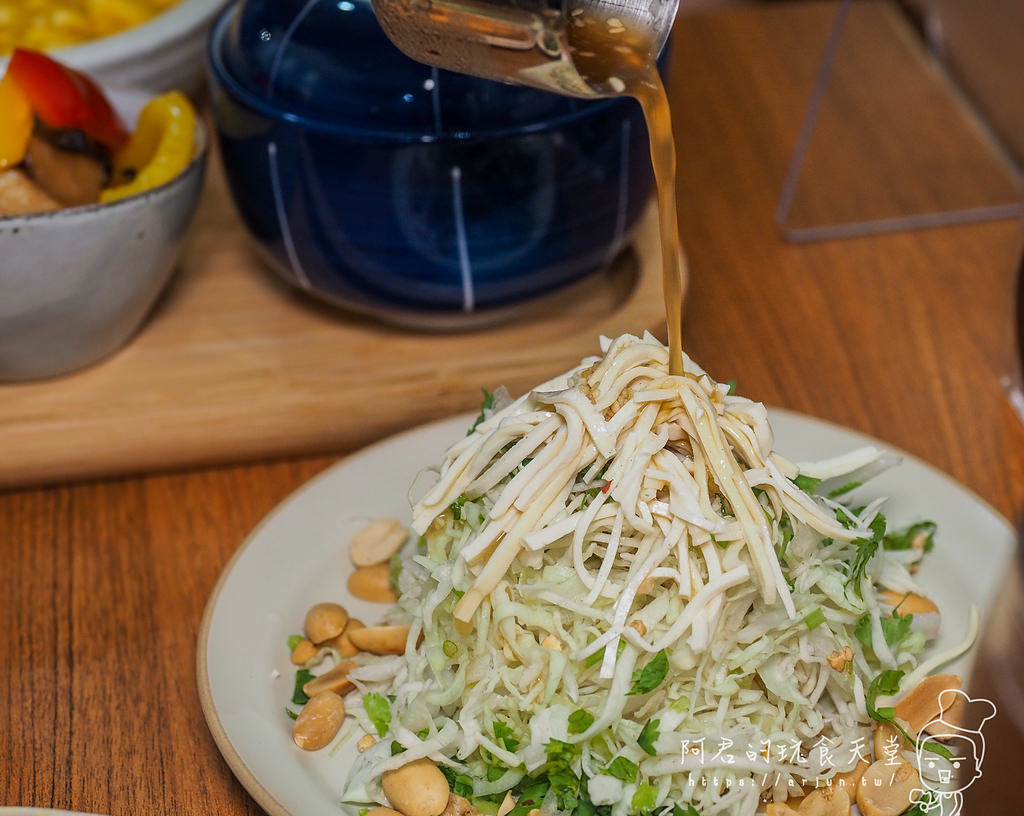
[297, 556]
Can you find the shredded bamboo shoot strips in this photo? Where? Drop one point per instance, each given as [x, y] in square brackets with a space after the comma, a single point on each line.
[611, 518]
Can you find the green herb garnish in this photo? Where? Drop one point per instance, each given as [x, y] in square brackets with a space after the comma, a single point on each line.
[580, 720]
[648, 678]
[378, 709]
[648, 736]
[302, 676]
[622, 768]
[485, 406]
[814, 618]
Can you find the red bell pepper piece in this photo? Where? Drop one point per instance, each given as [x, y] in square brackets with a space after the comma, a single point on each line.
[65, 98]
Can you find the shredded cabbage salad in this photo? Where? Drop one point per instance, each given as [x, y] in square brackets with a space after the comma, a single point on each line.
[624, 601]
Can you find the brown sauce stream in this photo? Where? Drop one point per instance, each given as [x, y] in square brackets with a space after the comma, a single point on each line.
[615, 59]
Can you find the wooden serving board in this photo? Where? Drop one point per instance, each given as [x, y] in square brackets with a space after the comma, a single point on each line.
[233, 365]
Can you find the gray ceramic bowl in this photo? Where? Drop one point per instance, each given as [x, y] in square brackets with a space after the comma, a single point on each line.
[76, 284]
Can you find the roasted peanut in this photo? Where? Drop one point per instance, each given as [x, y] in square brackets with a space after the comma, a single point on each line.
[921, 705]
[551, 642]
[335, 680]
[383, 811]
[319, 721]
[343, 643]
[380, 640]
[887, 790]
[638, 625]
[888, 743]
[372, 584]
[779, 809]
[909, 603]
[417, 788]
[377, 542]
[827, 801]
[366, 742]
[459, 806]
[840, 657]
[324, 621]
[303, 652]
[507, 804]
[848, 780]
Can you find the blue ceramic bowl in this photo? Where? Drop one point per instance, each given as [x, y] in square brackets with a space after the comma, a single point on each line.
[420, 196]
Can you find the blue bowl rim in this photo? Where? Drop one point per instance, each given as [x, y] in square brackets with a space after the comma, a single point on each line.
[221, 76]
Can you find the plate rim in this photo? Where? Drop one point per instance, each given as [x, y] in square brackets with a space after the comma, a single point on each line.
[233, 758]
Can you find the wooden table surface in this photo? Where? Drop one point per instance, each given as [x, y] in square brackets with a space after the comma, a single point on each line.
[903, 336]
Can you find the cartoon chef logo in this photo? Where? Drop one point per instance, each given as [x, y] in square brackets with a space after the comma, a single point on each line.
[945, 779]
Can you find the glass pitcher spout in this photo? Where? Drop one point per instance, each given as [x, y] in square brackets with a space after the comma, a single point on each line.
[529, 42]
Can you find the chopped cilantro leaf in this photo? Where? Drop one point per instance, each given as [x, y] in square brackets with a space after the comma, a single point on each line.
[458, 783]
[842, 491]
[786, 528]
[456, 507]
[923, 532]
[378, 709]
[806, 483]
[580, 720]
[485, 406]
[622, 768]
[648, 678]
[645, 798]
[559, 752]
[732, 388]
[530, 796]
[503, 733]
[681, 811]
[866, 549]
[648, 736]
[291, 713]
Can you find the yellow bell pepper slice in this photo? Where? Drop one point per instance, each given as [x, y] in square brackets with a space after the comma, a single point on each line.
[160, 148]
[18, 121]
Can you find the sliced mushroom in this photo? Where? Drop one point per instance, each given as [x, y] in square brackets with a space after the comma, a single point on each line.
[380, 640]
[828, 801]
[319, 721]
[325, 621]
[372, 584]
[335, 680]
[886, 789]
[922, 705]
[417, 788]
[377, 542]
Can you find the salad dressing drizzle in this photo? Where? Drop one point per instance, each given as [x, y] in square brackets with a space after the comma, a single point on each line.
[617, 60]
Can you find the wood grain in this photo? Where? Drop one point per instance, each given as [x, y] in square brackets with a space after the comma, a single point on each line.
[902, 336]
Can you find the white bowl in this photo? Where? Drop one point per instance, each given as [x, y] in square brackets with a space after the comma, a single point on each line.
[164, 53]
[76, 284]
